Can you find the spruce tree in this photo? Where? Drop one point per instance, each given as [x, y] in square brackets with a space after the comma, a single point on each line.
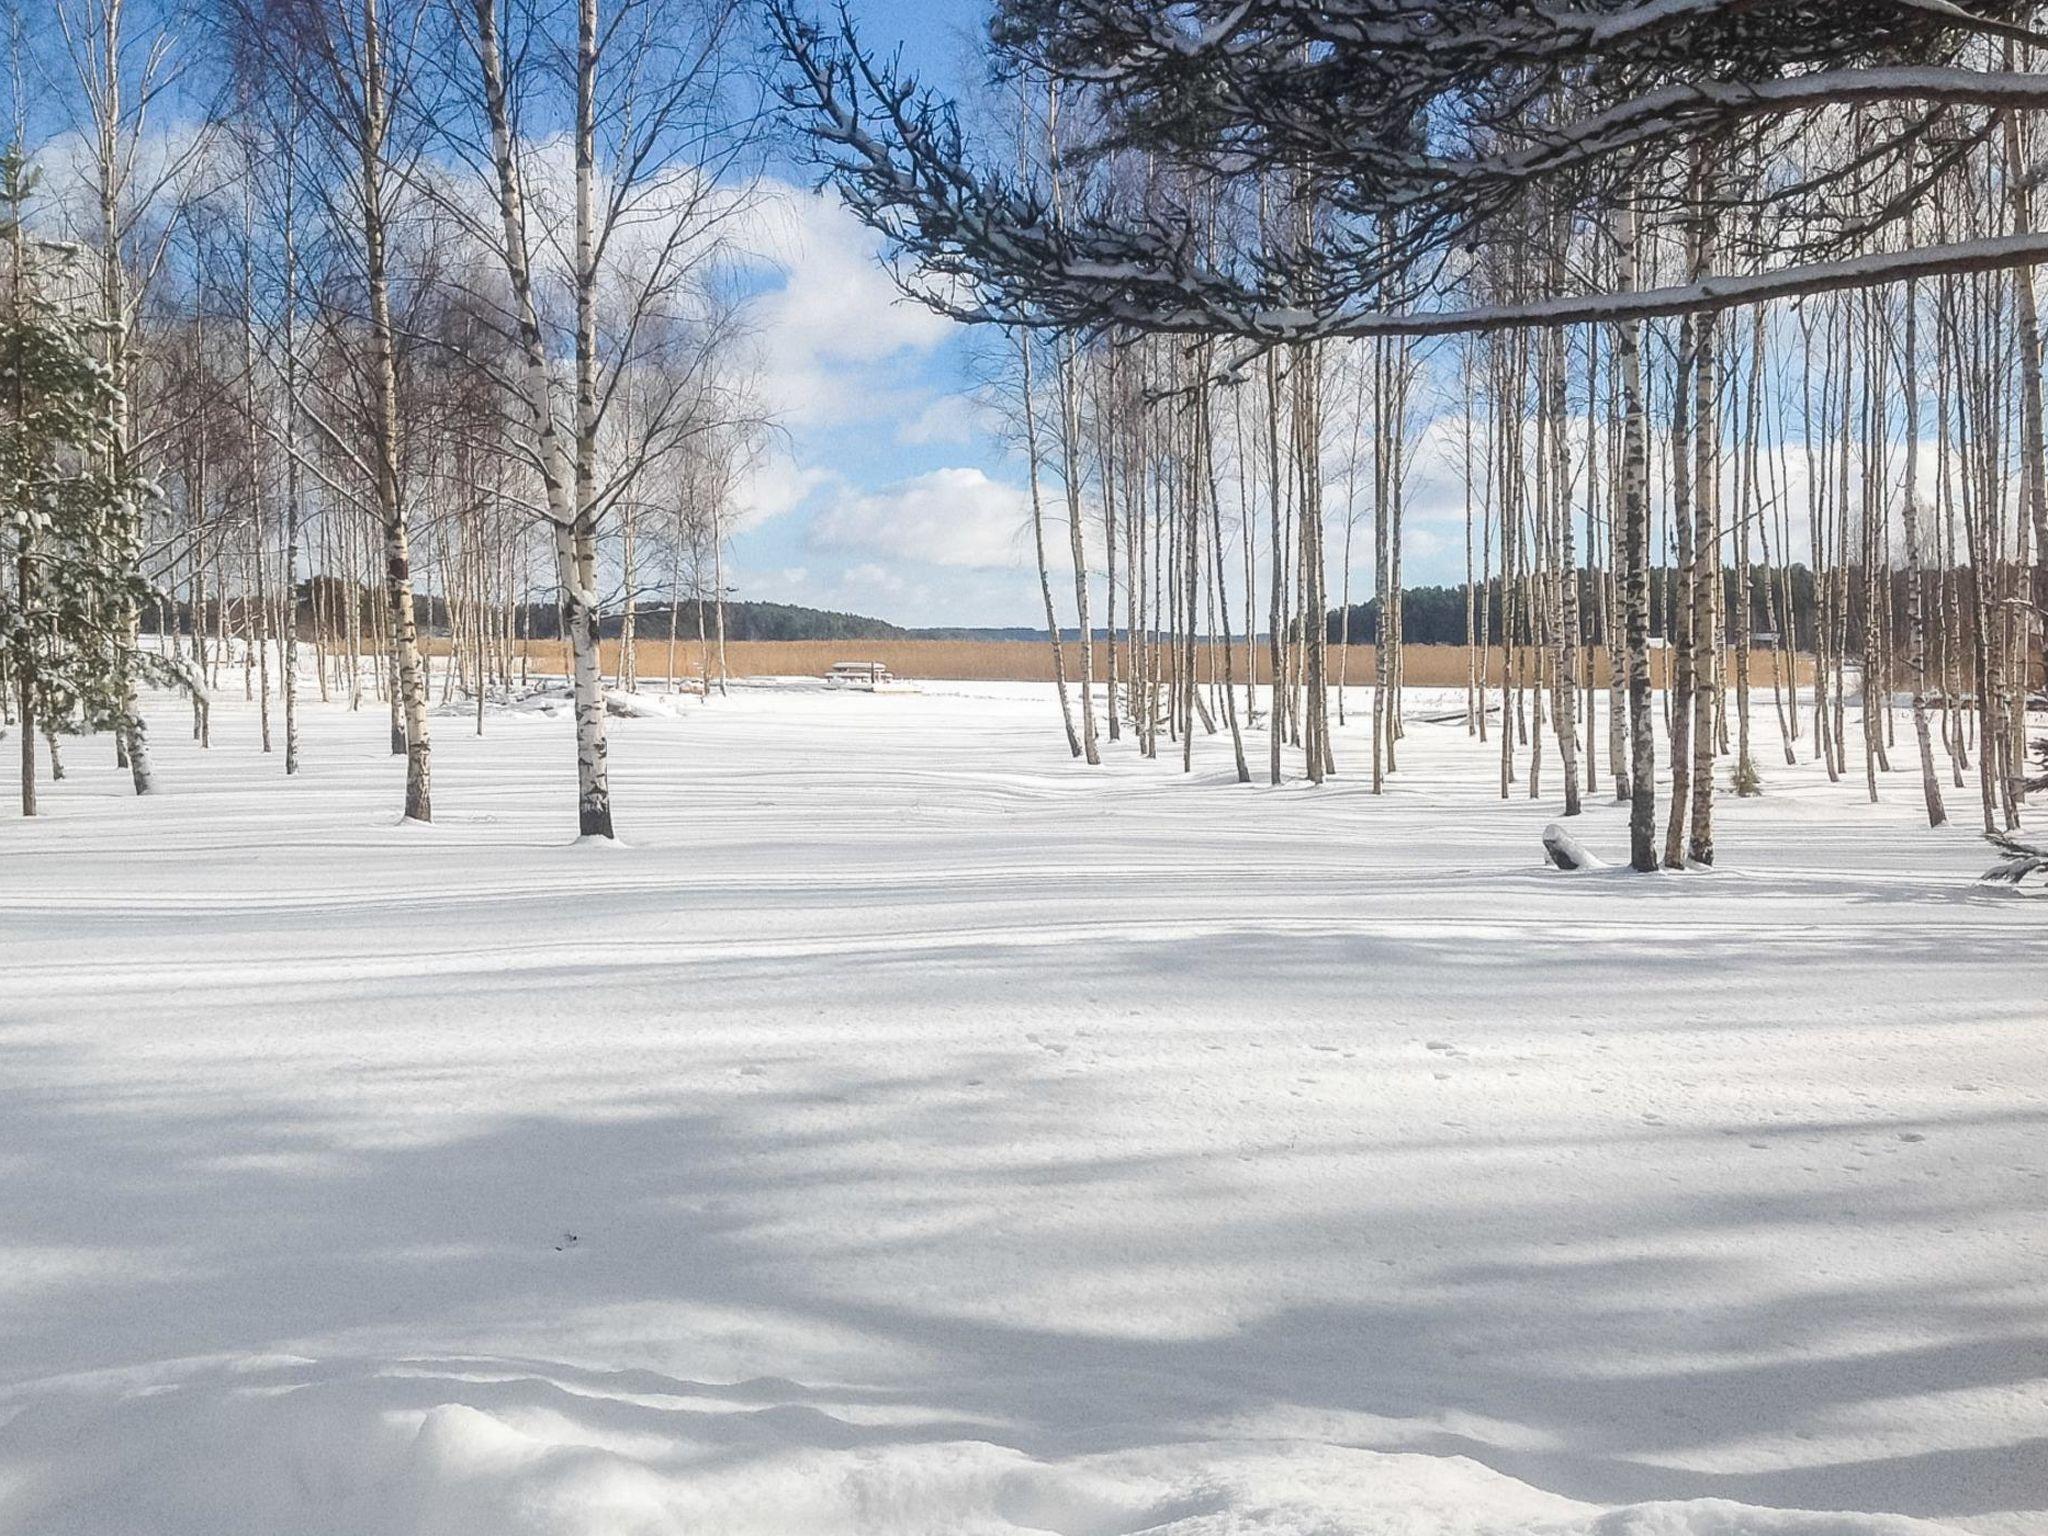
[68, 590]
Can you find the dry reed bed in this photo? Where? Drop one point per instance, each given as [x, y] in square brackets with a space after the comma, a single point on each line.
[1427, 666]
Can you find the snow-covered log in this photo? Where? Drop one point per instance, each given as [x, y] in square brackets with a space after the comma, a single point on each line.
[1566, 852]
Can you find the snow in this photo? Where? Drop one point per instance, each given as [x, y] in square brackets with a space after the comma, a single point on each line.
[1567, 852]
[913, 1131]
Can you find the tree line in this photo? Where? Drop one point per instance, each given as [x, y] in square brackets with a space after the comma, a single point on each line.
[388, 303]
[1720, 314]
[1737, 289]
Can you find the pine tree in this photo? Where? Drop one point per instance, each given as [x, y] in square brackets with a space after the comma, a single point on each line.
[64, 605]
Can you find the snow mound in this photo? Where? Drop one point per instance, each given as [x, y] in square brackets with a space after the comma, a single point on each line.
[546, 700]
[1719, 1517]
[258, 1446]
[646, 706]
[555, 701]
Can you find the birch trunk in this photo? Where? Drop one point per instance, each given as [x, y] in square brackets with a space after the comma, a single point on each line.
[1077, 543]
[1706, 586]
[568, 487]
[1679, 694]
[1567, 578]
[1916, 571]
[411, 693]
[291, 466]
[1052, 623]
[593, 779]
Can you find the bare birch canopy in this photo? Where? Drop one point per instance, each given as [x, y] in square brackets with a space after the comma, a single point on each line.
[1420, 134]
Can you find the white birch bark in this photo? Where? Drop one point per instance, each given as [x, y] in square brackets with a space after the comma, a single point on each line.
[1916, 569]
[566, 484]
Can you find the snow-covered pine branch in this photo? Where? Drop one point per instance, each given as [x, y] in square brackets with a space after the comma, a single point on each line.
[1414, 126]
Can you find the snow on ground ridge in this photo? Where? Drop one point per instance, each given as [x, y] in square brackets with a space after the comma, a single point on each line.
[461, 1447]
[911, 1130]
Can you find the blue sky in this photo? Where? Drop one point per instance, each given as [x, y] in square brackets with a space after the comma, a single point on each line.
[888, 490]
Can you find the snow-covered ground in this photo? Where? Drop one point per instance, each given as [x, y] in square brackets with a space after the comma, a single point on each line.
[912, 1131]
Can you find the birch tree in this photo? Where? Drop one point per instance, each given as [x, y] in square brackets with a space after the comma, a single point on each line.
[353, 70]
[654, 129]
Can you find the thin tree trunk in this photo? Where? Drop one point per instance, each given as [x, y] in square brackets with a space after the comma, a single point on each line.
[411, 699]
[1052, 623]
[1916, 570]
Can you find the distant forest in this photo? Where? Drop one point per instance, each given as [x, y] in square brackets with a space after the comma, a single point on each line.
[752, 621]
[320, 599]
[1431, 615]
[1436, 615]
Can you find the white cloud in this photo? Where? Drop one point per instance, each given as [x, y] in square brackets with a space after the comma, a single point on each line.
[1421, 544]
[950, 517]
[172, 163]
[836, 337]
[772, 486]
[952, 420]
[869, 577]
